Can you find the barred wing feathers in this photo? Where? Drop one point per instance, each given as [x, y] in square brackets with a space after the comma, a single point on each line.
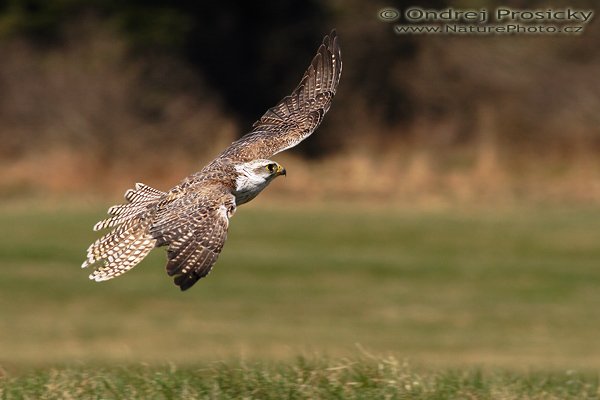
[194, 227]
[296, 116]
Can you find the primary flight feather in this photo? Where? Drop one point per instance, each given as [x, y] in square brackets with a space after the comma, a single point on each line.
[192, 218]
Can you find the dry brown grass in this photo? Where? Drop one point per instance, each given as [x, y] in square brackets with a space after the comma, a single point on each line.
[481, 175]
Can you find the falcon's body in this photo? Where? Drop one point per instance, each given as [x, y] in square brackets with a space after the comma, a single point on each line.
[193, 217]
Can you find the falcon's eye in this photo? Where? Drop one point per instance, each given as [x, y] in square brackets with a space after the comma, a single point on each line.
[271, 167]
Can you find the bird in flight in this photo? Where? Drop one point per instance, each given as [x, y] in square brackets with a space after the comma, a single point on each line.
[192, 218]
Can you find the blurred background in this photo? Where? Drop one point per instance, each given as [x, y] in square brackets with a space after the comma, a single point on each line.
[445, 211]
[110, 92]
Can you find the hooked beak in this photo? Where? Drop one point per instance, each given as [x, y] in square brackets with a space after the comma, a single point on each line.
[281, 170]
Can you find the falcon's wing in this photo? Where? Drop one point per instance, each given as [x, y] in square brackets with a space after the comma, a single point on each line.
[295, 117]
[194, 227]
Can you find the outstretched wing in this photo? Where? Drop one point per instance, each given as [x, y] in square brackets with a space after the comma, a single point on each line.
[194, 227]
[297, 116]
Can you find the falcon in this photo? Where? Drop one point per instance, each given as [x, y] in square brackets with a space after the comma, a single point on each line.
[192, 218]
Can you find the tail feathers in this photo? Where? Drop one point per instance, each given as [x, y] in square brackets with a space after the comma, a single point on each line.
[130, 241]
[112, 244]
[125, 261]
[119, 250]
[138, 200]
[142, 193]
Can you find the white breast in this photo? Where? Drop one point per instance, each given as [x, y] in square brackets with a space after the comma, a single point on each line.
[248, 185]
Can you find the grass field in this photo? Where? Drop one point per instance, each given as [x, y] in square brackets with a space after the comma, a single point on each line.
[499, 304]
[300, 379]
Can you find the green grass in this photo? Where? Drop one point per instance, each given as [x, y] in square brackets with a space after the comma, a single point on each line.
[299, 379]
[457, 294]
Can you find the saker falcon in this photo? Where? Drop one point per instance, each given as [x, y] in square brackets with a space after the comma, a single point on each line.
[192, 218]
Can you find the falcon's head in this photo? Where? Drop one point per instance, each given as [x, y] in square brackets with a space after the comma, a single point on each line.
[253, 176]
